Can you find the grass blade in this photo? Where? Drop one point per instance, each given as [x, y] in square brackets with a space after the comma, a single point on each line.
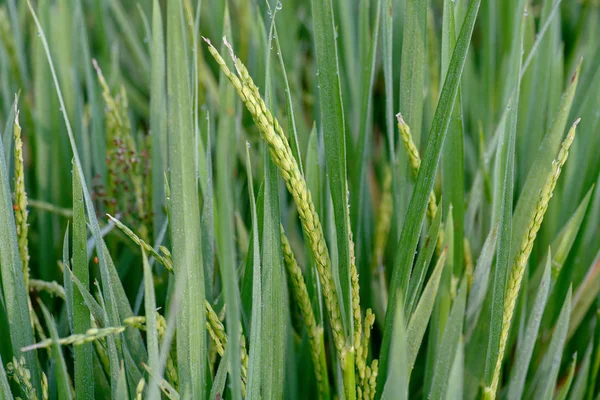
[418, 204]
[526, 345]
[151, 332]
[185, 214]
[423, 262]
[334, 134]
[218, 387]
[396, 385]
[453, 163]
[256, 351]
[481, 277]
[449, 344]
[412, 71]
[565, 386]
[224, 209]
[548, 372]
[158, 118]
[420, 318]
[84, 372]
[60, 367]
[273, 283]
[586, 294]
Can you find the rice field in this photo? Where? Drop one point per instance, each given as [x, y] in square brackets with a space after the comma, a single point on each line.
[297, 199]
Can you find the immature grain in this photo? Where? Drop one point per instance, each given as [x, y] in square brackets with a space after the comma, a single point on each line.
[216, 330]
[139, 390]
[89, 336]
[18, 371]
[415, 162]
[20, 206]
[356, 314]
[384, 217]
[52, 288]
[315, 332]
[518, 268]
[281, 154]
[362, 354]
[164, 260]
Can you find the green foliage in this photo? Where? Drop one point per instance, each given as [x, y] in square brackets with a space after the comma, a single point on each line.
[247, 219]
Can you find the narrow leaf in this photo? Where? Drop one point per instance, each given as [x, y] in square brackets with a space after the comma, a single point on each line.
[449, 344]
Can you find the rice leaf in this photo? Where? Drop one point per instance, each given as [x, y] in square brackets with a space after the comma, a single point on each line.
[7, 137]
[158, 117]
[416, 210]
[256, 351]
[449, 345]
[151, 332]
[387, 51]
[224, 210]
[121, 390]
[547, 374]
[396, 386]
[422, 263]
[578, 387]
[420, 318]
[218, 386]
[334, 134]
[456, 381]
[360, 195]
[84, 373]
[527, 342]
[60, 367]
[207, 220]
[185, 214]
[586, 294]
[481, 277]
[274, 321]
[453, 163]
[412, 71]
[565, 386]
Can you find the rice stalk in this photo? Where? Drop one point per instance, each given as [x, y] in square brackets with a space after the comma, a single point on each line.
[281, 154]
[315, 332]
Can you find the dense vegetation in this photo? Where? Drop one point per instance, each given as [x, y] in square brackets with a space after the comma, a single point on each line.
[300, 199]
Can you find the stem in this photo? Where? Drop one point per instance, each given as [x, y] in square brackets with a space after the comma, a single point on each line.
[324, 382]
[349, 379]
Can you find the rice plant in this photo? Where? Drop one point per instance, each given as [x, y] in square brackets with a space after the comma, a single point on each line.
[267, 199]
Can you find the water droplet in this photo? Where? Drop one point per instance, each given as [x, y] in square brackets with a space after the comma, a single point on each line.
[522, 51]
[508, 108]
[279, 6]
[39, 34]
[145, 40]
[269, 13]
[317, 72]
[248, 144]
[526, 13]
